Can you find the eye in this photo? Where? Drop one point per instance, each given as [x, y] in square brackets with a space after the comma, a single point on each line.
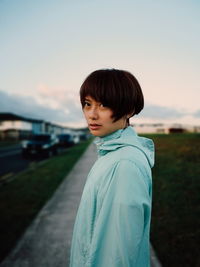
[102, 105]
[87, 104]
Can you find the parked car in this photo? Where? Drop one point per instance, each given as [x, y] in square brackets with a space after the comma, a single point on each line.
[76, 138]
[85, 136]
[65, 140]
[40, 145]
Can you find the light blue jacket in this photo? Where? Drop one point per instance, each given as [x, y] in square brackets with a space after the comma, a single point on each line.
[113, 220]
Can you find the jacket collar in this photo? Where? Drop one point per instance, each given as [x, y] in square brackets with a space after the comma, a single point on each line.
[110, 139]
[125, 137]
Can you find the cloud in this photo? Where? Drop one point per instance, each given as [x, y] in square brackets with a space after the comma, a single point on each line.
[197, 114]
[67, 112]
[59, 96]
[58, 106]
[56, 96]
[160, 112]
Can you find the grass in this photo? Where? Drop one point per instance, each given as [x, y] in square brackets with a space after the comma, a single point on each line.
[175, 229]
[21, 199]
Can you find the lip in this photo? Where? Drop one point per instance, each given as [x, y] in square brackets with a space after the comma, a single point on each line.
[94, 126]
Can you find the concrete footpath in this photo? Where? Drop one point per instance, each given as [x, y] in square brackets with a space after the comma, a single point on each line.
[47, 241]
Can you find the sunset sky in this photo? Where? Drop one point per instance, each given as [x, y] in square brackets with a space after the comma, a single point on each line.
[47, 48]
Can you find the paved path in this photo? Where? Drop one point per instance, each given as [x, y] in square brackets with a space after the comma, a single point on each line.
[46, 243]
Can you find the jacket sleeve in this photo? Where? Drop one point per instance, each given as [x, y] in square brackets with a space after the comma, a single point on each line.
[120, 224]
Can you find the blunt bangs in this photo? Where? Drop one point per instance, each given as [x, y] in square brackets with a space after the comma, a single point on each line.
[117, 89]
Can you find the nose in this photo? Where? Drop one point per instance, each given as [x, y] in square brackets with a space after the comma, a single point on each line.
[93, 113]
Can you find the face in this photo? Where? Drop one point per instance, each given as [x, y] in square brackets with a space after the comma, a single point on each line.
[99, 118]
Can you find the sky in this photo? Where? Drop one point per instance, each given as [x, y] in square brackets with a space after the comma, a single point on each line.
[47, 48]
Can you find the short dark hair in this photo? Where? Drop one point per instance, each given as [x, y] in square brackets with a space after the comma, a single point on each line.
[117, 89]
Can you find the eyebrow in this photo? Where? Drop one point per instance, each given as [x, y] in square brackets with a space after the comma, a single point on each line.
[87, 99]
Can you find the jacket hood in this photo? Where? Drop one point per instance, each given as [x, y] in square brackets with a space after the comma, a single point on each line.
[126, 137]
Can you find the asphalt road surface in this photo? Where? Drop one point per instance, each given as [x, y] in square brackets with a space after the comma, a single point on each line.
[11, 161]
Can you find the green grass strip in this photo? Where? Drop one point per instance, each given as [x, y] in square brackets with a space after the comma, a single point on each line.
[175, 231]
[21, 199]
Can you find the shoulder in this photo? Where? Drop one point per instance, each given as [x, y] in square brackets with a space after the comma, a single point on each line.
[131, 153]
[132, 156]
[127, 167]
[128, 183]
[132, 171]
[126, 155]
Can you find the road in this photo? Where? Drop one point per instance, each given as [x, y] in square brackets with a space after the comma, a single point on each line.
[11, 160]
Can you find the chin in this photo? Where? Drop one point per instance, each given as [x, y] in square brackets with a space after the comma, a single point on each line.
[95, 133]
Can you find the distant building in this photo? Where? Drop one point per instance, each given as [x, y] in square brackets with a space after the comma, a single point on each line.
[17, 127]
[176, 130]
[13, 126]
[161, 128]
[197, 129]
[148, 128]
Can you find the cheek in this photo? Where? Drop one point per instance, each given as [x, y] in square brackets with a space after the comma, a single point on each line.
[85, 113]
[108, 117]
[109, 114]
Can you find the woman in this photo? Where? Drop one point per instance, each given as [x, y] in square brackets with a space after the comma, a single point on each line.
[113, 220]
